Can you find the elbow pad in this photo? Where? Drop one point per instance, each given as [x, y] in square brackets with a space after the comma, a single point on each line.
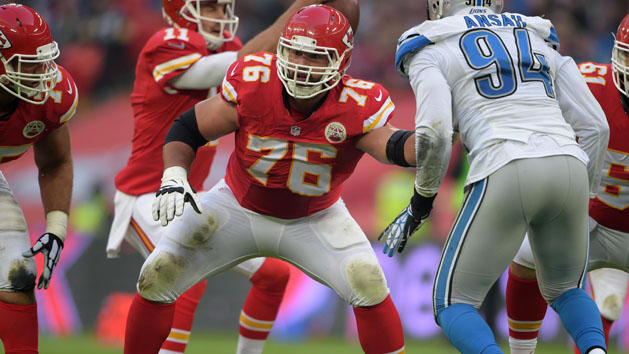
[186, 130]
[395, 147]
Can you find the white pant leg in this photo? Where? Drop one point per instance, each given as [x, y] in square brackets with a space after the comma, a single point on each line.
[143, 233]
[197, 246]
[16, 272]
[609, 288]
[331, 248]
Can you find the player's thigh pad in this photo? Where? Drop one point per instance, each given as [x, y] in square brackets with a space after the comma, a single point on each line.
[485, 237]
[196, 246]
[330, 247]
[16, 272]
[555, 199]
[609, 288]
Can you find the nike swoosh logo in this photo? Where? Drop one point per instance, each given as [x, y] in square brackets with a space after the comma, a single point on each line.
[69, 87]
[234, 70]
[379, 98]
[178, 46]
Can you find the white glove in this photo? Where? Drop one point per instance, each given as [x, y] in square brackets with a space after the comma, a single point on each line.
[50, 245]
[174, 192]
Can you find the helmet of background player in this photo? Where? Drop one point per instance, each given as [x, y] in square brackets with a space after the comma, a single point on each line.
[188, 14]
[620, 66]
[27, 53]
[321, 30]
[437, 9]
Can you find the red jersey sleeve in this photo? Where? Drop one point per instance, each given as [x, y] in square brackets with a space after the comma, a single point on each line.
[378, 108]
[64, 99]
[171, 51]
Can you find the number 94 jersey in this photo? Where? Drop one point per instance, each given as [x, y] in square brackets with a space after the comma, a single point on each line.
[610, 208]
[288, 167]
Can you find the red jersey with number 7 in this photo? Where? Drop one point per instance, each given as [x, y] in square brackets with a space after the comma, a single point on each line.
[287, 167]
[610, 208]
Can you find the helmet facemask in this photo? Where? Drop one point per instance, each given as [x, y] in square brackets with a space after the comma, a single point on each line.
[31, 87]
[191, 11]
[305, 81]
[619, 67]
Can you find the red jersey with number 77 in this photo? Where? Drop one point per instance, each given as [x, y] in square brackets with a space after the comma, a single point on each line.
[30, 122]
[287, 167]
[610, 208]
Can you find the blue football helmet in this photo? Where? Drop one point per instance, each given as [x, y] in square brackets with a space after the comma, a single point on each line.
[442, 8]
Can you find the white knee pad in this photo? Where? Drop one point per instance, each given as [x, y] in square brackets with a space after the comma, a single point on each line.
[365, 276]
[609, 288]
[159, 275]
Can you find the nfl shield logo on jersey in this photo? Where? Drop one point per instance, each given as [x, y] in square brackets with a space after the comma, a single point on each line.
[295, 130]
[335, 132]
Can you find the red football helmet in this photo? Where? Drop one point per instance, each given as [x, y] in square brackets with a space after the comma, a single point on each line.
[620, 67]
[27, 52]
[187, 14]
[316, 29]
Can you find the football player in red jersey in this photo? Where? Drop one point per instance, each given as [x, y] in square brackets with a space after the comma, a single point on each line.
[301, 125]
[36, 100]
[609, 214]
[179, 66]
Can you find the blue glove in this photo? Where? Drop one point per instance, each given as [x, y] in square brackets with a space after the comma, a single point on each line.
[407, 223]
[50, 245]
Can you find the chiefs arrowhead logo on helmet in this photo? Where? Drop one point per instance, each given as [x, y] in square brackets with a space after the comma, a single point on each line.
[4, 41]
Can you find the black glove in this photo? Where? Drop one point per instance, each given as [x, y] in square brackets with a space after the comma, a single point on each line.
[406, 223]
[50, 245]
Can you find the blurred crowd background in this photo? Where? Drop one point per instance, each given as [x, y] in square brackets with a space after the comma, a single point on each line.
[100, 41]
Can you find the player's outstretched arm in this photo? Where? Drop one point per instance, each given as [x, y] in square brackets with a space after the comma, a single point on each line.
[53, 158]
[208, 120]
[266, 41]
[387, 147]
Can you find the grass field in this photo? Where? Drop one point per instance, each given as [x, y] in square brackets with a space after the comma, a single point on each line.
[203, 343]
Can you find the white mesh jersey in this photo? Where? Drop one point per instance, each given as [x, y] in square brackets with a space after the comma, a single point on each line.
[499, 81]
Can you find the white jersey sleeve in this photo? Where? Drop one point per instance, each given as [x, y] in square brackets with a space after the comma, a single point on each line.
[433, 121]
[205, 73]
[581, 110]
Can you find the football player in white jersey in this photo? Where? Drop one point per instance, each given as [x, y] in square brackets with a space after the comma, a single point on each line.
[519, 106]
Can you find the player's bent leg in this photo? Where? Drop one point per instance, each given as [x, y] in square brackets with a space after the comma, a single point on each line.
[148, 325]
[526, 307]
[609, 289]
[465, 272]
[269, 278]
[340, 256]
[18, 310]
[185, 307]
[581, 318]
[378, 322]
[467, 330]
[559, 239]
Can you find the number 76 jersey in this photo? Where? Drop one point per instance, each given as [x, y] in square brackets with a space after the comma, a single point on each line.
[290, 167]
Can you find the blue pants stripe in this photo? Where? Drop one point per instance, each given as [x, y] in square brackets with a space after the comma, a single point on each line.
[453, 245]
